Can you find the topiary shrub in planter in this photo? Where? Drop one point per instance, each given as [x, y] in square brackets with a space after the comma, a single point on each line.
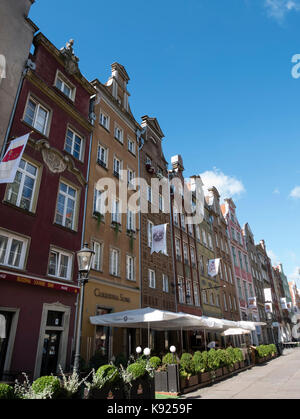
[106, 384]
[201, 366]
[6, 392]
[230, 359]
[188, 374]
[140, 382]
[50, 385]
[155, 362]
[169, 359]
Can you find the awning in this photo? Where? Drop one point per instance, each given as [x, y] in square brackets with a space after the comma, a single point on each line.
[2, 327]
[234, 332]
[166, 320]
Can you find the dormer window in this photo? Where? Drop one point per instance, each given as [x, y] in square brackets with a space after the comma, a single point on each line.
[65, 86]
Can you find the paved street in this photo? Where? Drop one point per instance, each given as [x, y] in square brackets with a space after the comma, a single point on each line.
[279, 379]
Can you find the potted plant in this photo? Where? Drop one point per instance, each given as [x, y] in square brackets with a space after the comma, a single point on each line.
[201, 366]
[6, 392]
[238, 354]
[230, 359]
[188, 374]
[170, 361]
[106, 384]
[140, 381]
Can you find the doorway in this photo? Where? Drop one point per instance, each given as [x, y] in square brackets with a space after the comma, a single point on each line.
[4, 341]
[50, 352]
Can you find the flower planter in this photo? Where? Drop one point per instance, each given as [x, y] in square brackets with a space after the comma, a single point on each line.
[231, 368]
[205, 377]
[192, 381]
[104, 393]
[183, 383]
[161, 381]
[219, 372]
[142, 388]
[236, 366]
[225, 370]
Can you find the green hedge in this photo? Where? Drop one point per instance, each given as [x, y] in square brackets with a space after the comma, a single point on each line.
[265, 350]
[6, 392]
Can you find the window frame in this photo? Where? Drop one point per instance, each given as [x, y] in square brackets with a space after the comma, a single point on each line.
[61, 252]
[24, 251]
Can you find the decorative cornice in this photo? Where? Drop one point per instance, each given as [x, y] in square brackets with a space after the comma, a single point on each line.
[55, 160]
[34, 79]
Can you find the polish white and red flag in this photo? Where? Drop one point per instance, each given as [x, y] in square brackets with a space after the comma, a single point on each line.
[11, 160]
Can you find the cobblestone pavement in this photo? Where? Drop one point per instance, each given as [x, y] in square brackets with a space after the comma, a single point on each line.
[278, 379]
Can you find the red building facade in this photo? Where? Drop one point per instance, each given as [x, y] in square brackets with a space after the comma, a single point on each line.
[42, 214]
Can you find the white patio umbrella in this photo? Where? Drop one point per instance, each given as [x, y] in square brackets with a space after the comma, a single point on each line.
[235, 332]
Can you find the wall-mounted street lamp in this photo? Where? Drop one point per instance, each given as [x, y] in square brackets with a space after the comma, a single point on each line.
[84, 259]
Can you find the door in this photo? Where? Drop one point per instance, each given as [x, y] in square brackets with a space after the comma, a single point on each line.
[4, 341]
[50, 352]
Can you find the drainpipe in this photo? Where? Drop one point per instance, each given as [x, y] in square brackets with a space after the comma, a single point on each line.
[140, 142]
[29, 65]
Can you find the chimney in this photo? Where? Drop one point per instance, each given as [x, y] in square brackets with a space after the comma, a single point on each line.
[177, 163]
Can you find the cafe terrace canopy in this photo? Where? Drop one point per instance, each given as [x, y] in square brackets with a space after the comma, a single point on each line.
[165, 320]
[235, 332]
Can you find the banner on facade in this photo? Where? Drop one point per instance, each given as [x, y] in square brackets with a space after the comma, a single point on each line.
[213, 267]
[159, 239]
[11, 160]
[252, 302]
[268, 295]
[283, 303]
[268, 308]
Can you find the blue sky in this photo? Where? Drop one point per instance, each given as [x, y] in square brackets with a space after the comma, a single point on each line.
[217, 76]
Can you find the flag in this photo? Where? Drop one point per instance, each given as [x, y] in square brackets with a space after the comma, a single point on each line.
[283, 303]
[12, 158]
[213, 267]
[252, 302]
[159, 239]
[268, 295]
[268, 308]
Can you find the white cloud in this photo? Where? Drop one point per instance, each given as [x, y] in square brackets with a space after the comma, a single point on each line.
[274, 258]
[228, 186]
[295, 193]
[278, 9]
[276, 192]
[296, 274]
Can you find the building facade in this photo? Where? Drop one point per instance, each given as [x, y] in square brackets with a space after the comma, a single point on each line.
[42, 213]
[16, 34]
[242, 272]
[114, 283]
[157, 274]
[228, 295]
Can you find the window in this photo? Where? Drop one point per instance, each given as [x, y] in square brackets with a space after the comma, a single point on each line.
[12, 250]
[131, 179]
[210, 241]
[230, 302]
[225, 272]
[196, 295]
[74, 144]
[148, 161]
[246, 263]
[97, 259]
[98, 205]
[181, 291]
[65, 87]
[149, 229]
[217, 241]
[241, 260]
[130, 220]
[190, 229]
[104, 120]
[119, 134]
[246, 290]
[65, 211]
[218, 300]
[151, 277]
[239, 288]
[204, 237]
[114, 262]
[161, 202]
[178, 249]
[193, 257]
[175, 215]
[102, 156]
[234, 303]
[189, 299]
[204, 297]
[131, 146]
[212, 299]
[182, 221]
[36, 116]
[21, 192]
[60, 264]
[185, 253]
[233, 233]
[198, 233]
[130, 268]
[115, 214]
[234, 256]
[165, 283]
[225, 302]
[117, 167]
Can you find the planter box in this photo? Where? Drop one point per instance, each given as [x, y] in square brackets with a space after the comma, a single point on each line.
[242, 364]
[205, 377]
[236, 366]
[219, 372]
[161, 381]
[105, 393]
[231, 368]
[225, 370]
[173, 379]
[142, 389]
[192, 381]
